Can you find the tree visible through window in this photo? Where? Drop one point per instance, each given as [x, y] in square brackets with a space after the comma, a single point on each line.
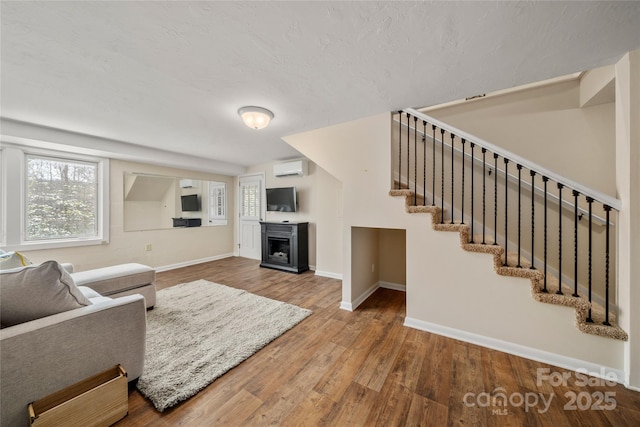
[61, 198]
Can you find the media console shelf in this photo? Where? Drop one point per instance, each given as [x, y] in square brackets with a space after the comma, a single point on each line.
[285, 246]
[187, 222]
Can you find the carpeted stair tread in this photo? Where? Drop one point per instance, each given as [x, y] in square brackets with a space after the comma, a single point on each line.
[448, 226]
[435, 211]
[521, 268]
[423, 209]
[400, 192]
[485, 249]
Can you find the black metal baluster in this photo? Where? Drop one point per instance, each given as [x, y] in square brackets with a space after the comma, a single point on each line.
[442, 176]
[575, 243]
[484, 190]
[506, 210]
[519, 210]
[495, 199]
[408, 151]
[590, 201]
[433, 168]
[545, 179]
[462, 217]
[519, 166]
[606, 270]
[533, 217]
[560, 187]
[400, 151]
[424, 170]
[415, 161]
[473, 160]
[452, 177]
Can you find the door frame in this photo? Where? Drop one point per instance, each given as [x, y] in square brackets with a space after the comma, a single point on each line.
[263, 205]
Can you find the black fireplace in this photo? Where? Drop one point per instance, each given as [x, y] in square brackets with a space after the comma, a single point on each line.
[285, 246]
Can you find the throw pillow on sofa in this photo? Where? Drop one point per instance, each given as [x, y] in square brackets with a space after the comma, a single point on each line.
[39, 291]
[10, 260]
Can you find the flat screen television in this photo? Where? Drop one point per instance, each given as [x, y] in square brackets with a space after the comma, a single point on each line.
[281, 199]
[190, 203]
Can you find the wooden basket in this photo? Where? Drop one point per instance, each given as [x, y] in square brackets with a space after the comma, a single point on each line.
[100, 400]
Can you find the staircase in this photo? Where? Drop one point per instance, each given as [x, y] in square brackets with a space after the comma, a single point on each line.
[484, 203]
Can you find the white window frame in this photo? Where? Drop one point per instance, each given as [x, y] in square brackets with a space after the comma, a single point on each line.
[14, 187]
[214, 218]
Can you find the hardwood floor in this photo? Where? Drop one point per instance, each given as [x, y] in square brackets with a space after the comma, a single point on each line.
[340, 368]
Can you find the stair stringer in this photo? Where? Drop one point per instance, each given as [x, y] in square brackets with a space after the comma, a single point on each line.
[459, 290]
[536, 277]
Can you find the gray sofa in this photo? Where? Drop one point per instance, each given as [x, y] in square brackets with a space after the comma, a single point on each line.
[44, 349]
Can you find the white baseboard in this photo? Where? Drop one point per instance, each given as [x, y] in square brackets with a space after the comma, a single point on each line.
[632, 387]
[519, 350]
[346, 306]
[329, 274]
[192, 262]
[366, 294]
[393, 286]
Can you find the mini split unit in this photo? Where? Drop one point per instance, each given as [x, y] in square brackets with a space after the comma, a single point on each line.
[293, 168]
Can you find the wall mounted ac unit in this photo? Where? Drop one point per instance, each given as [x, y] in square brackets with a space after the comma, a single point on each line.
[294, 168]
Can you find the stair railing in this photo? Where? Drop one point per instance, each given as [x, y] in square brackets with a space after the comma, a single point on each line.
[421, 155]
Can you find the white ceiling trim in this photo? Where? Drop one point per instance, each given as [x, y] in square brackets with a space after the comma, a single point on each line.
[30, 135]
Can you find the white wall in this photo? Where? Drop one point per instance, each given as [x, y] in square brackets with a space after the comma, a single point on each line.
[628, 186]
[170, 247]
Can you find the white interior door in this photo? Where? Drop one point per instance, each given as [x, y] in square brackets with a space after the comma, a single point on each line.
[251, 213]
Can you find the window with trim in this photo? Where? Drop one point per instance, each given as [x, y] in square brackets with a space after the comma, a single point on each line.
[61, 198]
[54, 199]
[217, 203]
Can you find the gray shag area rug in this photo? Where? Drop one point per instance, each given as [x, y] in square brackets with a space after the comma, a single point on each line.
[200, 330]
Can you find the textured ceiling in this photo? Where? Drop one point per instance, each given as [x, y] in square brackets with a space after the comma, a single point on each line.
[171, 75]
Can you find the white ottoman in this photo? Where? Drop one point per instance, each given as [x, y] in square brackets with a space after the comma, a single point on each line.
[120, 280]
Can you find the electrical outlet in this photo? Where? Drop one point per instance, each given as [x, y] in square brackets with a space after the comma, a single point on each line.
[148, 247]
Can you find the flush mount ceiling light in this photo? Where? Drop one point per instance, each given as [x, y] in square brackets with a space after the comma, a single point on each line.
[255, 117]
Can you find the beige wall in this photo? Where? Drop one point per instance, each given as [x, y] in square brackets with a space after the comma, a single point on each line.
[328, 217]
[169, 247]
[545, 125]
[445, 285]
[378, 257]
[319, 203]
[145, 215]
[392, 256]
[364, 259]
